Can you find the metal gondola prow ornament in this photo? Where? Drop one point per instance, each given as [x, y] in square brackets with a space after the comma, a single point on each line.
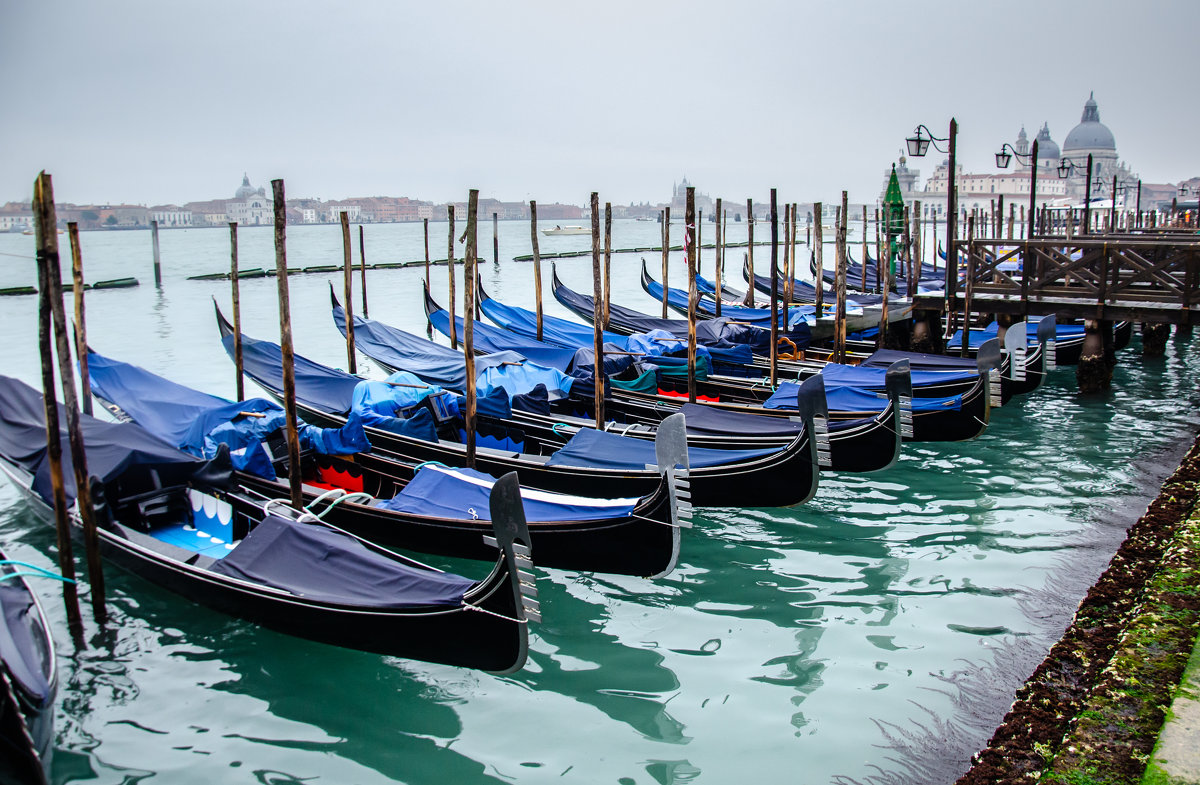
[1016, 345]
[989, 359]
[671, 453]
[512, 537]
[814, 411]
[898, 381]
[1047, 331]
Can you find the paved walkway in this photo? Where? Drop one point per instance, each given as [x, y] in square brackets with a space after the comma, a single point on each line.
[1176, 758]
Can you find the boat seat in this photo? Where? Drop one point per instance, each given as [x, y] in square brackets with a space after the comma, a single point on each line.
[209, 532]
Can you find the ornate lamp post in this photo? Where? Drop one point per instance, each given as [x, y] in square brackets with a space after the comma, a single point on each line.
[1066, 168]
[918, 145]
[1003, 158]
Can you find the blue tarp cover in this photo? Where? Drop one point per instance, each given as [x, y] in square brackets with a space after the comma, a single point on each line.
[856, 399]
[520, 378]
[20, 628]
[883, 358]
[462, 494]
[677, 298]
[198, 423]
[319, 564]
[601, 449]
[838, 375]
[112, 448]
[404, 351]
[705, 420]
[491, 339]
[979, 335]
[321, 387]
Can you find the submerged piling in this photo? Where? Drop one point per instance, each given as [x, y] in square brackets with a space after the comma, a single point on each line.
[285, 345]
[85, 382]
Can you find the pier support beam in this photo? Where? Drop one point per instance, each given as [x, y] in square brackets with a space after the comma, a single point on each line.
[926, 332]
[1094, 373]
[1154, 339]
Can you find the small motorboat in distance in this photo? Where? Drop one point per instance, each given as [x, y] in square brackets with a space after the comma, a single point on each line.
[566, 230]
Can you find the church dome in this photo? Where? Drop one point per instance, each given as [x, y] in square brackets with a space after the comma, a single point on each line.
[245, 190]
[1090, 134]
[1047, 147]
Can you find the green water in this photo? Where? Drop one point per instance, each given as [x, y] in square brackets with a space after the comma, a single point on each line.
[875, 634]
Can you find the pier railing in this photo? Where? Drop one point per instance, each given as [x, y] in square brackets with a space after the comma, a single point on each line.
[1114, 277]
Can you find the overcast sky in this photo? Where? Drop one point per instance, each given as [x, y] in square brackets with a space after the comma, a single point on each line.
[159, 102]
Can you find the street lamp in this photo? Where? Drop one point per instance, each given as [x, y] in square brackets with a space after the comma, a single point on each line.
[1003, 158]
[918, 145]
[1066, 168]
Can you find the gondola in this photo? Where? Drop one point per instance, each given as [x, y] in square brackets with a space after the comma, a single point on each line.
[929, 278]
[591, 463]
[173, 519]
[28, 679]
[432, 509]
[805, 293]
[857, 444]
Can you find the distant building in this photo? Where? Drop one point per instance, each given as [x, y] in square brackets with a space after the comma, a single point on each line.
[171, 215]
[250, 206]
[908, 179]
[1092, 137]
[703, 203]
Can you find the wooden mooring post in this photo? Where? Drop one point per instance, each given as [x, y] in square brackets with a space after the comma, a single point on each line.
[285, 345]
[470, 279]
[362, 263]
[598, 314]
[348, 292]
[46, 229]
[81, 351]
[818, 262]
[450, 277]
[719, 264]
[157, 254]
[750, 250]
[774, 289]
[666, 249]
[537, 265]
[607, 259]
[691, 233]
[839, 340]
[234, 283]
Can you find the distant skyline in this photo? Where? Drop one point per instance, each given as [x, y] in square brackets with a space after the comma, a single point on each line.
[153, 103]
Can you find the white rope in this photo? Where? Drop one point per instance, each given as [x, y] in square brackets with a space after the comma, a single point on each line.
[469, 607]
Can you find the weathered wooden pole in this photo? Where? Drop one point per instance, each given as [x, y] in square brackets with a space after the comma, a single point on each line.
[496, 239]
[427, 261]
[865, 255]
[598, 314]
[750, 250]
[951, 214]
[85, 382]
[235, 286]
[450, 275]
[285, 345]
[819, 263]
[1087, 199]
[157, 255]
[839, 346]
[933, 234]
[362, 264]
[917, 251]
[719, 266]
[699, 245]
[46, 227]
[1112, 209]
[970, 288]
[774, 289]
[907, 259]
[607, 259]
[880, 263]
[1012, 219]
[469, 283]
[691, 233]
[666, 249]
[787, 258]
[348, 292]
[537, 265]
[791, 279]
[1139, 204]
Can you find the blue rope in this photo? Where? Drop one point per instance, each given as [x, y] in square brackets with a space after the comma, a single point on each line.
[554, 428]
[423, 464]
[38, 572]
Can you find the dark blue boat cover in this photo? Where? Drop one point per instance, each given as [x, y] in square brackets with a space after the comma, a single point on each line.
[734, 344]
[982, 334]
[318, 564]
[404, 351]
[707, 421]
[838, 375]
[112, 448]
[804, 292]
[321, 387]
[462, 494]
[21, 652]
[603, 450]
[198, 423]
[677, 298]
[856, 399]
[491, 339]
[883, 358]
